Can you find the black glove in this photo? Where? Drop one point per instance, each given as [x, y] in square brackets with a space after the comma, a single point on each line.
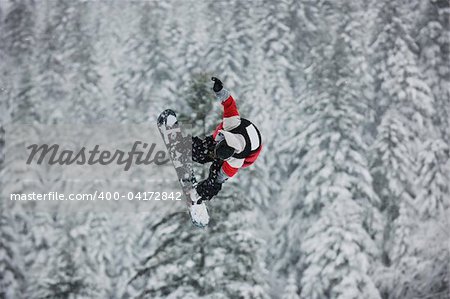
[218, 85]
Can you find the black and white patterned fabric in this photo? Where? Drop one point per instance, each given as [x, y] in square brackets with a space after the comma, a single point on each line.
[210, 187]
[203, 149]
[203, 152]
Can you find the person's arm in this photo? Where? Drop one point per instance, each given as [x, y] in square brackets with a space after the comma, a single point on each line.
[231, 118]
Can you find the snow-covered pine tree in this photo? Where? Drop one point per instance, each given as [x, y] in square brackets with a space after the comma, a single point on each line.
[290, 148]
[19, 44]
[86, 101]
[404, 105]
[337, 250]
[399, 82]
[430, 239]
[223, 261]
[392, 165]
[330, 167]
[262, 181]
[197, 106]
[278, 43]
[255, 104]
[11, 264]
[123, 253]
[420, 249]
[115, 24]
[230, 41]
[334, 172]
[36, 240]
[18, 104]
[392, 170]
[99, 244]
[426, 271]
[143, 81]
[1, 15]
[433, 38]
[188, 37]
[24, 235]
[433, 196]
[52, 78]
[263, 97]
[4, 70]
[265, 93]
[66, 274]
[291, 290]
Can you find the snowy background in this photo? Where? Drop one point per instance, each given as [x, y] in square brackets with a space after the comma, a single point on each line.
[350, 198]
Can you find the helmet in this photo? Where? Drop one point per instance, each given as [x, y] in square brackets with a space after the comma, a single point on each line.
[223, 151]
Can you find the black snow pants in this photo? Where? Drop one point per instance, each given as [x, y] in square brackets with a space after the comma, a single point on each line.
[203, 152]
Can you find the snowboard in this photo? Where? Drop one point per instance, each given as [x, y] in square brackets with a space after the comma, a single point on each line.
[179, 147]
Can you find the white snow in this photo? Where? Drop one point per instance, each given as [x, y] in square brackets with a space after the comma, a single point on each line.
[199, 214]
[171, 120]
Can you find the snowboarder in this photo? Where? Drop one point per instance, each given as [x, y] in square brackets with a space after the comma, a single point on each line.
[235, 143]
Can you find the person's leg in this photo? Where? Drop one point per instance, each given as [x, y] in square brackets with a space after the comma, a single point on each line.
[203, 149]
[210, 187]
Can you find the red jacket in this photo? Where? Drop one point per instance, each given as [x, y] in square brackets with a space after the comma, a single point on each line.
[240, 134]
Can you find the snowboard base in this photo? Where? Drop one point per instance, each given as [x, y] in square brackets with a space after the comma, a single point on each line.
[173, 137]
